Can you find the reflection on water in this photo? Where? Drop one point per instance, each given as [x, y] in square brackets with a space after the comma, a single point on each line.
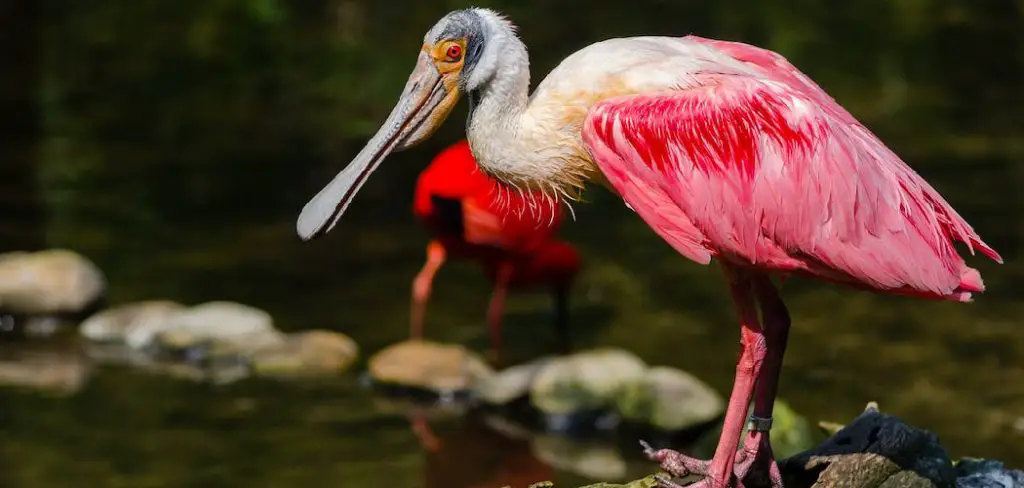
[127, 428]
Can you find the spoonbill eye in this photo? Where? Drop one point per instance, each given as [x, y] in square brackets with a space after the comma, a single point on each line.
[454, 52]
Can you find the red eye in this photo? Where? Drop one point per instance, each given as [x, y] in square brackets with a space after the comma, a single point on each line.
[454, 51]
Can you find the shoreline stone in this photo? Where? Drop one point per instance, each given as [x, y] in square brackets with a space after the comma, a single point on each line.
[876, 450]
[53, 281]
[444, 369]
[307, 353]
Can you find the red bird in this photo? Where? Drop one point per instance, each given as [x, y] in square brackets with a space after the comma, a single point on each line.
[472, 217]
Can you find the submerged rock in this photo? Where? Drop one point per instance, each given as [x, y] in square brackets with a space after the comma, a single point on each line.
[585, 381]
[309, 353]
[669, 399]
[986, 473]
[48, 282]
[131, 324]
[430, 366]
[216, 341]
[218, 328]
[510, 384]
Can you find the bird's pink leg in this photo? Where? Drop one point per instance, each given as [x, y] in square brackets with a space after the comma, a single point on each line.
[776, 331]
[421, 286]
[725, 464]
[496, 308]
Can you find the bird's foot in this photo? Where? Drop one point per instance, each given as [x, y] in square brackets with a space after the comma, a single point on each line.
[753, 462]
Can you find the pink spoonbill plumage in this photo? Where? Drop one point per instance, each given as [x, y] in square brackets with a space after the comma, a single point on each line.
[726, 150]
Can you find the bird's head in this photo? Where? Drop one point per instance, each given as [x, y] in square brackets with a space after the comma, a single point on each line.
[460, 54]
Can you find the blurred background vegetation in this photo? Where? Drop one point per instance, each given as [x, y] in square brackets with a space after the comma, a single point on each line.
[175, 142]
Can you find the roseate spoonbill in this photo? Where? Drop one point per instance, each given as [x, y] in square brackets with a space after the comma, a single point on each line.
[472, 217]
[725, 149]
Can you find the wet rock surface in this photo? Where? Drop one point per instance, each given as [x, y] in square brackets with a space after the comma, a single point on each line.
[133, 325]
[877, 450]
[219, 326]
[668, 399]
[217, 341]
[442, 369]
[55, 281]
[309, 353]
[585, 381]
[986, 473]
[602, 391]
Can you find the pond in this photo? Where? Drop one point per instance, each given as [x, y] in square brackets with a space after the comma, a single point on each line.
[180, 167]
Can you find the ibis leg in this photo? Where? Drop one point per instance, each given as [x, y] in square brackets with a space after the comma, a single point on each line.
[720, 471]
[496, 308]
[421, 287]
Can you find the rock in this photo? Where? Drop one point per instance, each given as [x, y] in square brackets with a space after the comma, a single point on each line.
[584, 381]
[646, 482]
[877, 451]
[44, 282]
[132, 324]
[984, 473]
[429, 366]
[669, 399]
[314, 352]
[217, 369]
[593, 461]
[219, 327]
[874, 451]
[510, 384]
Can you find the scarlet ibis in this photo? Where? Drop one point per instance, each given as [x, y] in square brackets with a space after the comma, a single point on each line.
[472, 217]
[724, 149]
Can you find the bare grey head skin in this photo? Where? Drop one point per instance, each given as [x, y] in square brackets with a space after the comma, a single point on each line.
[462, 53]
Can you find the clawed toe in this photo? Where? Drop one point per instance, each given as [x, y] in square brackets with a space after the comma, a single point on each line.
[676, 464]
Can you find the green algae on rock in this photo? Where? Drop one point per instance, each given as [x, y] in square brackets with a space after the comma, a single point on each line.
[668, 399]
[584, 381]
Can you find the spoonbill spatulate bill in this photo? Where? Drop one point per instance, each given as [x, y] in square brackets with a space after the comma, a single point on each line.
[725, 150]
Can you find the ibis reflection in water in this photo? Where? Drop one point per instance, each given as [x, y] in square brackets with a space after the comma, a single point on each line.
[470, 216]
[725, 150]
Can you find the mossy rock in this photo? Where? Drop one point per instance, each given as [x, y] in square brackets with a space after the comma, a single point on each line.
[645, 482]
[584, 381]
[669, 399]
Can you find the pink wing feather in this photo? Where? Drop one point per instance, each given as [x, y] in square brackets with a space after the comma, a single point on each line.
[767, 174]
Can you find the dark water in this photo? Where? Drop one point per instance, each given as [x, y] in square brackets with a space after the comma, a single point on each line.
[176, 154]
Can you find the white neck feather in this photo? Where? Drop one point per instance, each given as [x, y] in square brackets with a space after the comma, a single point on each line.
[499, 92]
